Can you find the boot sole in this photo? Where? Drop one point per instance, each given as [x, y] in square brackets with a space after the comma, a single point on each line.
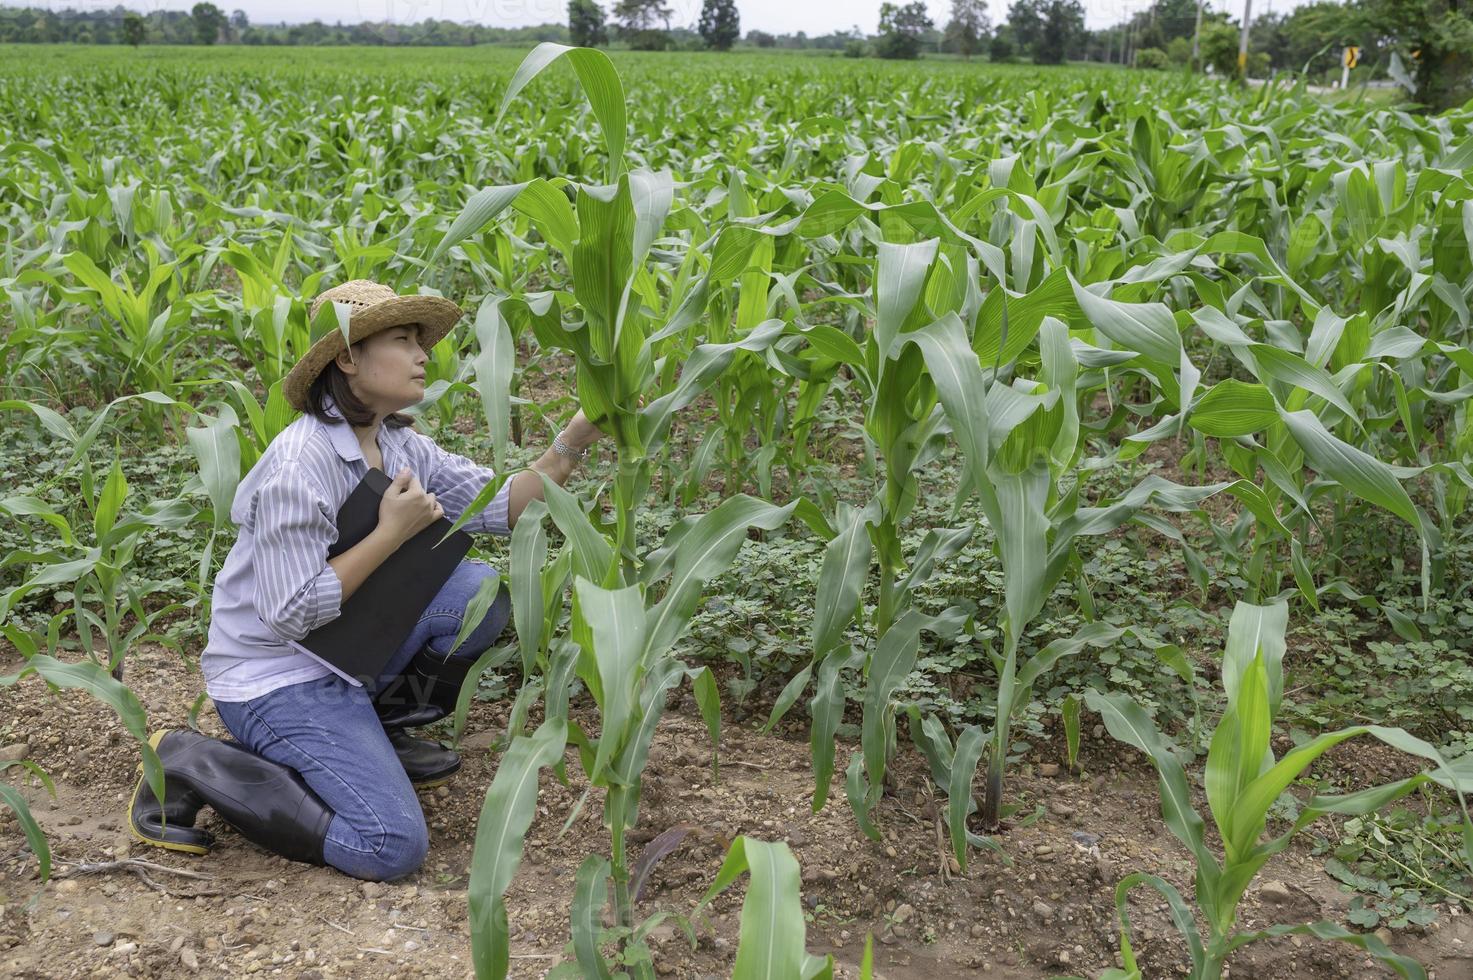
[153, 743]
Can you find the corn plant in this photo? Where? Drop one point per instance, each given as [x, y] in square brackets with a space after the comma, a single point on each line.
[624, 637]
[95, 572]
[1243, 779]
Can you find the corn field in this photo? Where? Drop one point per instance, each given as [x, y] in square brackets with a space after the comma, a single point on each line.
[956, 330]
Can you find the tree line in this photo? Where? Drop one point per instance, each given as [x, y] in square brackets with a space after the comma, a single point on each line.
[1427, 45]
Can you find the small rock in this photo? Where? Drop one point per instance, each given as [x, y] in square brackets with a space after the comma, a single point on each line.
[978, 930]
[1275, 893]
[1061, 809]
[889, 851]
[1383, 934]
[372, 889]
[124, 949]
[1063, 957]
[904, 912]
[14, 752]
[1048, 769]
[189, 958]
[102, 938]
[1043, 910]
[67, 887]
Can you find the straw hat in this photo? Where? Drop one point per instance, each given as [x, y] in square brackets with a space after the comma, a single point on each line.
[374, 307]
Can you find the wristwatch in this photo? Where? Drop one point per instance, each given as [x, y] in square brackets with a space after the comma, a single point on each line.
[563, 449]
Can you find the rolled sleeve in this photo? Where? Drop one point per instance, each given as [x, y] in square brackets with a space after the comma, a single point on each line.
[296, 589]
[456, 482]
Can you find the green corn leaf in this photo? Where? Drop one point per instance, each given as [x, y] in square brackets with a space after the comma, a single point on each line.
[483, 207]
[893, 660]
[510, 805]
[1233, 408]
[600, 83]
[969, 746]
[590, 894]
[35, 836]
[1181, 917]
[1290, 369]
[827, 709]
[1403, 965]
[841, 579]
[1360, 473]
[962, 388]
[616, 620]
[705, 551]
[789, 696]
[1254, 632]
[900, 276]
[98, 682]
[708, 700]
[494, 365]
[1093, 635]
[1126, 722]
[1146, 328]
[528, 556]
[1069, 710]
[592, 555]
[773, 933]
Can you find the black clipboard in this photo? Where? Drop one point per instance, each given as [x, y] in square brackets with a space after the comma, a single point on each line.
[379, 616]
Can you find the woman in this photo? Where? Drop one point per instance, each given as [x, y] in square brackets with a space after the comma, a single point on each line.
[324, 771]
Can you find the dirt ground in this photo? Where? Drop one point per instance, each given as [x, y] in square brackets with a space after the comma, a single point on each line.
[244, 911]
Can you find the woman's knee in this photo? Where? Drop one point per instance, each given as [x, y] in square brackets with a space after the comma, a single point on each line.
[402, 853]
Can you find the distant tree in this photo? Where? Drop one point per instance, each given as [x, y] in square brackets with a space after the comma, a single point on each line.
[1179, 51]
[586, 24]
[132, 29]
[1001, 48]
[969, 27]
[208, 21]
[1434, 41]
[901, 30]
[761, 39]
[1151, 58]
[1219, 47]
[1047, 29]
[638, 20]
[720, 24]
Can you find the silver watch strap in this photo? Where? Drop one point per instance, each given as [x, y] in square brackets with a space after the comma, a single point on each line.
[563, 449]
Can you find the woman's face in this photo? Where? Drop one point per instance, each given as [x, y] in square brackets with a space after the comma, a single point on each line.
[387, 371]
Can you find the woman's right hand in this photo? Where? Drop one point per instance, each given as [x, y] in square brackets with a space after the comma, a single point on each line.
[406, 508]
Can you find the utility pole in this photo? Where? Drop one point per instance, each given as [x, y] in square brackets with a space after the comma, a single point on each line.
[1243, 40]
[1197, 40]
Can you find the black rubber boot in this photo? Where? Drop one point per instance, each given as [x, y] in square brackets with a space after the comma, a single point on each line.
[172, 824]
[425, 692]
[268, 803]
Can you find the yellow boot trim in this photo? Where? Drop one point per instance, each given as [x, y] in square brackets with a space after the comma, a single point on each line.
[153, 743]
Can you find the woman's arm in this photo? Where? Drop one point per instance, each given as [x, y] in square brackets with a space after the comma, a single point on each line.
[526, 486]
[355, 565]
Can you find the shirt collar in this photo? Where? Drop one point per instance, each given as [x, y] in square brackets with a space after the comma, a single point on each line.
[344, 440]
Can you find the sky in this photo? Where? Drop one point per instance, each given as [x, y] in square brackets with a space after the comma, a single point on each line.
[774, 16]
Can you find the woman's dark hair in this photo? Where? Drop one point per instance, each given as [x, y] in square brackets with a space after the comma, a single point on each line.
[333, 382]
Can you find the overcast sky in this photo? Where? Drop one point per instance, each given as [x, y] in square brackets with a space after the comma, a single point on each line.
[776, 16]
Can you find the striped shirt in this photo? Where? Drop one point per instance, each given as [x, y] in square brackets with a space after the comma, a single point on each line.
[276, 585]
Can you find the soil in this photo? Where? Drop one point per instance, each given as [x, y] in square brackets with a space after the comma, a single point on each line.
[244, 911]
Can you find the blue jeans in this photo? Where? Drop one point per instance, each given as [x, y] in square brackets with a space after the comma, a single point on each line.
[328, 730]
